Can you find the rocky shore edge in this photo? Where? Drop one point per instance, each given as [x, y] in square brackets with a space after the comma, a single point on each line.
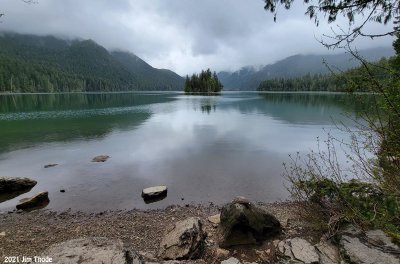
[189, 234]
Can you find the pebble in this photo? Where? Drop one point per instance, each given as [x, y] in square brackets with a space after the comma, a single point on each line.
[215, 219]
[221, 253]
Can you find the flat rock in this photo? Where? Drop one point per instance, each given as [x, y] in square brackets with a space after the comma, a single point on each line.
[100, 158]
[328, 253]
[184, 241]
[241, 200]
[93, 250]
[298, 250]
[302, 250]
[39, 200]
[244, 223]
[285, 248]
[379, 238]
[231, 260]
[10, 184]
[155, 192]
[169, 262]
[358, 252]
[215, 219]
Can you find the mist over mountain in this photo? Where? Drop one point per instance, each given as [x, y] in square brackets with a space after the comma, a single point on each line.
[30, 63]
[248, 78]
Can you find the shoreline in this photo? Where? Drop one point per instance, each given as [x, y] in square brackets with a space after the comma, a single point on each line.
[182, 92]
[303, 237]
[31, 233]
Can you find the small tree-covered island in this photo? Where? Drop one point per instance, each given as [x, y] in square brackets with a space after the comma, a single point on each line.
[204, 83]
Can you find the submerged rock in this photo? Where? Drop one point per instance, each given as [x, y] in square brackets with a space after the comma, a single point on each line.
[244, 223]
[50, 165]
[93, 250]
[184, 241]
[154, 193]
[100, 158]
[10, 185]
[40, 200]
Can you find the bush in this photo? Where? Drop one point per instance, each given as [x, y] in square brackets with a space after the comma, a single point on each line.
[340, 194]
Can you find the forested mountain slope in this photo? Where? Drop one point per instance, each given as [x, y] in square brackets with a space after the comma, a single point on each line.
[31, 63]
[248, 78]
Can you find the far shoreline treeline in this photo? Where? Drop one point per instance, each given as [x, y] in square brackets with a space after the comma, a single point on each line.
[204, 83]
[353, 80]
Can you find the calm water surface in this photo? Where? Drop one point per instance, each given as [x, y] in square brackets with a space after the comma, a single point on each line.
[204, 148]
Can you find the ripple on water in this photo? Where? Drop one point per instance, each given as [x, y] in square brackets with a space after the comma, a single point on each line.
[74, 113]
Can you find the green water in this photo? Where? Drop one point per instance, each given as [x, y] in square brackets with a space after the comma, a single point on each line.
[204, 148]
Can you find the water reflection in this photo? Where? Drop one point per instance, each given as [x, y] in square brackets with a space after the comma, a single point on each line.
[77, 101]
[299, 108]
[27, 120]
[207, 108]
[202, 148]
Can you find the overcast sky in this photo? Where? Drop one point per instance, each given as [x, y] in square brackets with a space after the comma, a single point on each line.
[182, 35]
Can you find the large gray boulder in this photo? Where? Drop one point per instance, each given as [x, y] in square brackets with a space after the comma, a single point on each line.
[39, 200]
[245, 223]
[10, 185]
[184, 241]
[93, 250]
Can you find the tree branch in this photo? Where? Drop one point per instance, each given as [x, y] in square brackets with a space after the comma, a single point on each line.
[379, 11]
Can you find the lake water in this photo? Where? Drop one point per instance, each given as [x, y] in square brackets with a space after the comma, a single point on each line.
[204, 148]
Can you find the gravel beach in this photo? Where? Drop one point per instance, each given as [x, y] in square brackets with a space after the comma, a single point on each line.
[29, 234]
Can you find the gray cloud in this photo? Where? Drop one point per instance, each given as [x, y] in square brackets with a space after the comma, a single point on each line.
[181, 35]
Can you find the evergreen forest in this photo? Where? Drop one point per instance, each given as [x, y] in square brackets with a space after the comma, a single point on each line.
[205, 82]
[353, 80]
[31, 63]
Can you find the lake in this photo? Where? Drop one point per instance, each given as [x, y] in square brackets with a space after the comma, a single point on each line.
[204, 148]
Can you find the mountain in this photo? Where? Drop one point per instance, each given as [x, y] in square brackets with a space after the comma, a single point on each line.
[248, 78]
[162, 79]
[31, 63]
